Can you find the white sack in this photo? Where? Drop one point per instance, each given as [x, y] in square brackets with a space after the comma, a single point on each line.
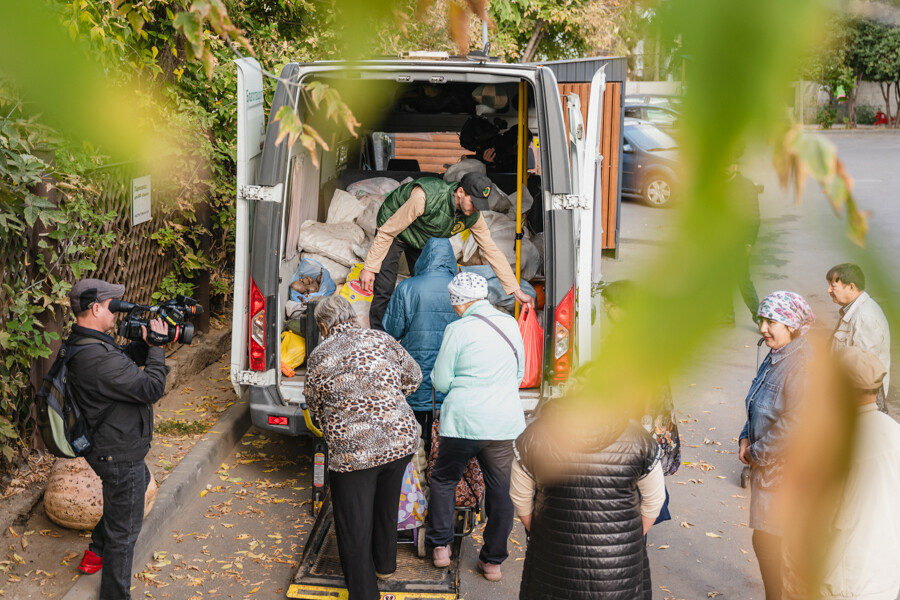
[374, 185]
[331, 240]
[456, 171]
[337, 271]
[503, 232]
[368, 219]
[456, 242]
[344, 208]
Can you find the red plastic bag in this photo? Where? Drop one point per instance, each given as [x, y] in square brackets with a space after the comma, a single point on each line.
[533, 338]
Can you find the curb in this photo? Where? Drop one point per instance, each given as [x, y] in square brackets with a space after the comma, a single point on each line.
[178, 489]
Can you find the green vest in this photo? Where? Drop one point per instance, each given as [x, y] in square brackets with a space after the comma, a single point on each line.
[440, 219]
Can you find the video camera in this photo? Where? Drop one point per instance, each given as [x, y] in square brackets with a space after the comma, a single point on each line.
[174, 312]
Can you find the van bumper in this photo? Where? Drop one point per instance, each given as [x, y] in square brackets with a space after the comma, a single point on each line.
[265, 402]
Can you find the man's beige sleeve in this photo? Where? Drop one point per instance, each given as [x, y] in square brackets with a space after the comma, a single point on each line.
[521, 490]
[411, 210]
[653, 492]
[494, 256]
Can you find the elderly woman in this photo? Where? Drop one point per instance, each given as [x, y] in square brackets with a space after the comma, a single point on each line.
[356, 385]
[772, 407]
[479, 367]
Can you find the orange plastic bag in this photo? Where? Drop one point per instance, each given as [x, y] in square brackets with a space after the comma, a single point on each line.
[533, 338]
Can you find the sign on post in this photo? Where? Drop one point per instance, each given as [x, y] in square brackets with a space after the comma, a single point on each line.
[140, 200]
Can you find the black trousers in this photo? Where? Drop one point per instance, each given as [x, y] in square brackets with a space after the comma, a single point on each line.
[495, 458]
[767, 548]
[386, 279]
[366, 505]
[124, 486]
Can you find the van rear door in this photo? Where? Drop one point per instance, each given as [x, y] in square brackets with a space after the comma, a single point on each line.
[584, 149]
[251, 131]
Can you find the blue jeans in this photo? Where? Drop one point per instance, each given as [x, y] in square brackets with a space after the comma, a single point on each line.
[124, 485]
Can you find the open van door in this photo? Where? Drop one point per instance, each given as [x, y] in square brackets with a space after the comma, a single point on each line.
[251, 131]
[585, 158]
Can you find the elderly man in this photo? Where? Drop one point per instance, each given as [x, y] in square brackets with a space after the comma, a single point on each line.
[862, 322]
[865, 532]
[423, 209]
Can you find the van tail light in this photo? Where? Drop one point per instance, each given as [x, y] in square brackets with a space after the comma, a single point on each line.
[564, 322]
[257, 329]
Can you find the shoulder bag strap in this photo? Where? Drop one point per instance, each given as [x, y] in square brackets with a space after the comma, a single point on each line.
[503, 335]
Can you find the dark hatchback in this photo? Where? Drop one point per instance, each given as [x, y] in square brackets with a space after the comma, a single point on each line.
[649, 163]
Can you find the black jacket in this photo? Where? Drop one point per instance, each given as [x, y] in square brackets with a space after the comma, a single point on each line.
[116, 395]
[586, 539]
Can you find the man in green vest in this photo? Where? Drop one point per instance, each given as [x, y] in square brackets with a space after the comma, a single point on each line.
[416, 212]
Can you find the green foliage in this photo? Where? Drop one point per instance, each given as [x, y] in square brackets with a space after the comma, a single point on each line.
[865, 114]
[64, 238]
[826, 116]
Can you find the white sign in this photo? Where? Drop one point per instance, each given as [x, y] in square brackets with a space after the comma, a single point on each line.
[140, 200]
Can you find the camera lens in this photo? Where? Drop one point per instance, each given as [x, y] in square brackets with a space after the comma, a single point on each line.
[187, 333]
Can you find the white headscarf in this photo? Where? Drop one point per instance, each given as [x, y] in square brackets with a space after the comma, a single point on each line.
[467, 287]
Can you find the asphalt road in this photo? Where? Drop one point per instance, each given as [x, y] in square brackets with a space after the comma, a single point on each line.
[243, 536]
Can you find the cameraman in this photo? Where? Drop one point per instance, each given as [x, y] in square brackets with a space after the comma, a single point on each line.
[116, 396]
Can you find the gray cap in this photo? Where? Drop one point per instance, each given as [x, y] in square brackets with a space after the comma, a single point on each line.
[479, 188]
[88, 291]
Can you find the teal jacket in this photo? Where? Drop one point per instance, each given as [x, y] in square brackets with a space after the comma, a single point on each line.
[477, 370]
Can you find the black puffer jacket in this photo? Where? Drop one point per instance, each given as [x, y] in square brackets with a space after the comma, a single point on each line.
[586, 534]
[110, 387]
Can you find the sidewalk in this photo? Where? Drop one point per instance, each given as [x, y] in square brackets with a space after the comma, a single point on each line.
[43, 557]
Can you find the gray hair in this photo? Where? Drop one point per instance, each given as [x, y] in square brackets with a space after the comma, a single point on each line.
[333, 310]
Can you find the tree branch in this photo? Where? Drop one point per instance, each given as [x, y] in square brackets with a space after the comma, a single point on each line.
[536, 36]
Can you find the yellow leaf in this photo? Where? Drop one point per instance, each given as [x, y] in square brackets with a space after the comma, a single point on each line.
[664, 547]
[712, 535]
[686, 525]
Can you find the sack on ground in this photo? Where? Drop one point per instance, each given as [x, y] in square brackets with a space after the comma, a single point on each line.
[332, 240]
[533, 340]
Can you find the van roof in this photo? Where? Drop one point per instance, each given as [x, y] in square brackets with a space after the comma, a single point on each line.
[454, 64]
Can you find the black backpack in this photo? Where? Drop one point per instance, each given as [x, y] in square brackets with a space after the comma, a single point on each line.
[62, 423]
[478, 134]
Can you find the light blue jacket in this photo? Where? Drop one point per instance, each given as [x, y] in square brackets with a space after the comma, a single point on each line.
[477, 370]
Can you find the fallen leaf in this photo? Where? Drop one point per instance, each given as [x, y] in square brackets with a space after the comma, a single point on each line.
[664, 547]
[712, 535]
[686, 525]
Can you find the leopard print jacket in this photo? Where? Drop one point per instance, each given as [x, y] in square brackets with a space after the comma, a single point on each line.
[357, 381]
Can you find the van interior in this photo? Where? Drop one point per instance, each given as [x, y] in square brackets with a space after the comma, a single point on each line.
[408, 129]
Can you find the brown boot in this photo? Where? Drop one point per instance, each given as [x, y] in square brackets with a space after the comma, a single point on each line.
[441, 556]
[490, 571]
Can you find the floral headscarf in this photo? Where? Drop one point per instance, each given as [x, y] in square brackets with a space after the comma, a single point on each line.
[467, 287]
[788, 309]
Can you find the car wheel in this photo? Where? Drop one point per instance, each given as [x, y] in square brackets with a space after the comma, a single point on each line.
[657, 190]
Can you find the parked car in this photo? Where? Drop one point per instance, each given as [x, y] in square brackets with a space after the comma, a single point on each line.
[649, 163]
[663, 117]
[666, 100]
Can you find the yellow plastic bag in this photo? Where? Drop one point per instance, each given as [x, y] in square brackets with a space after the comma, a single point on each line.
[293, 349]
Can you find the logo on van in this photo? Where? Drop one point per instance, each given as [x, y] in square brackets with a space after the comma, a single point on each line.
[254, 97]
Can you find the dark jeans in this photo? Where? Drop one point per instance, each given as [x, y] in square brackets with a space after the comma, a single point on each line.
[124, 486]
[425, 419]
[768, 553]
[366, 505]
[386, 279]
[495, 458]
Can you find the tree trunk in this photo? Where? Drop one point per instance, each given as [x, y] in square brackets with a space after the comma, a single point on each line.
[886, 94]
[851, 110]
[536, 36]
[896, 123]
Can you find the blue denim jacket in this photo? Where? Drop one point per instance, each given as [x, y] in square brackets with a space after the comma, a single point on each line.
[772, 402]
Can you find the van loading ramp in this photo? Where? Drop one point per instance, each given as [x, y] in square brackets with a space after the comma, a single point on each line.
[320, 576]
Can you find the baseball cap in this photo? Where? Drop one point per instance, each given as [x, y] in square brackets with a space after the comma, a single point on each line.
[87, 291]
[863, 368]
[479, 187]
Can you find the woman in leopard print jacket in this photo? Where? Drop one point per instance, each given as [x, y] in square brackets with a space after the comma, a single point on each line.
[357, 381]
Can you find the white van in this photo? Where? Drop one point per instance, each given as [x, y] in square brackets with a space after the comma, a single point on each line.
[279, 186]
